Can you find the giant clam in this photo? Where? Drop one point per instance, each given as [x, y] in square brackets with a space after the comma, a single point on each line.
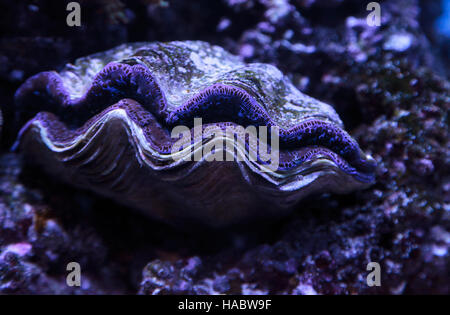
[104, 123]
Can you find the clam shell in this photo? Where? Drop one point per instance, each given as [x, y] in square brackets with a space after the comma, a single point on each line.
[105, 122]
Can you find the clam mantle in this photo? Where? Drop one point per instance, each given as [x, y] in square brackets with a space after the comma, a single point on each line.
[104, 123]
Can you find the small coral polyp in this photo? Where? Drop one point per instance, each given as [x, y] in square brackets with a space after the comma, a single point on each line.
[104, 123]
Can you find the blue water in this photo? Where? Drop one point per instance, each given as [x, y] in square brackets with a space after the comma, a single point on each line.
[443, 23]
